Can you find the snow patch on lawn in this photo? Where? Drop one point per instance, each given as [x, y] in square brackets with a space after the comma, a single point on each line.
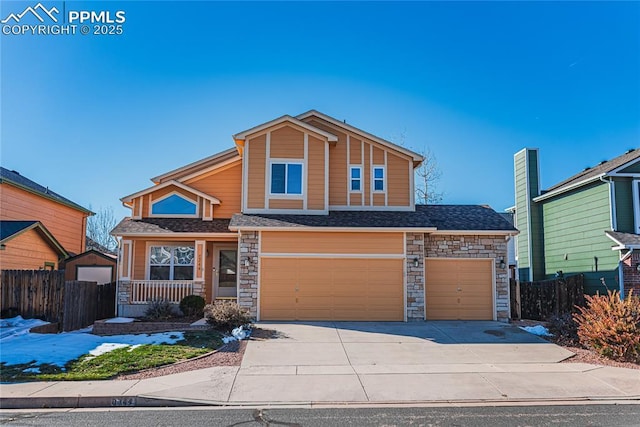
[538, 330]
[19, 346]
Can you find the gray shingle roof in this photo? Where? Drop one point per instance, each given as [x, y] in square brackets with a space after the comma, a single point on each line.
[603, 167]
[442, 217]
[626, 239]
[170, 225]
[21, 181]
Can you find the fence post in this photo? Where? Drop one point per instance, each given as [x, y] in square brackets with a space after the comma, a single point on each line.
[518, 300]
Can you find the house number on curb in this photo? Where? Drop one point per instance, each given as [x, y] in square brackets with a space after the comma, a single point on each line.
[125, 401]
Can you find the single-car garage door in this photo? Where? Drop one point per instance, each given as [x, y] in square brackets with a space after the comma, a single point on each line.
[459, 289]
[331, 289]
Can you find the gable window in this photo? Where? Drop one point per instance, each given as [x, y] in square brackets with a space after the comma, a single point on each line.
[356, 178]
[173, 205]
[286, 178]
[378, 178]
[171, 262]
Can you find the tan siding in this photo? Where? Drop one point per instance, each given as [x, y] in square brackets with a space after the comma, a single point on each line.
[256, 181]
[337, 164]
[315, 177]
[378, 199]
[66, 224]
[225, 185]
[123, 269]
[378, 156]
[366, 181]
[28, 251]
[356, 199]
[355, 151]
[285, 204]
[332, 243]
[170, 189]
[398, 181]
[139, 260]
[91, 259]
[287, 143]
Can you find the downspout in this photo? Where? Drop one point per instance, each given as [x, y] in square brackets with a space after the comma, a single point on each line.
[612, 203]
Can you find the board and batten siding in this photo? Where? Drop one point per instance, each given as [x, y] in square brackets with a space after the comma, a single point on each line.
[256, 159]
[66, 224]
[223, 184]
[624, 205]
[352, 149]
[574, 226]
[28, 251]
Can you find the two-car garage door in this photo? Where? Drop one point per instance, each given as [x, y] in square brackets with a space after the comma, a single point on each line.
[331, 276]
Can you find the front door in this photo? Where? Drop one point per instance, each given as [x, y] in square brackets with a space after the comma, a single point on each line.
[225, 272]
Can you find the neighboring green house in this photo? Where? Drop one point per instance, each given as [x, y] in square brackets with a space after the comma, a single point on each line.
[589, 223]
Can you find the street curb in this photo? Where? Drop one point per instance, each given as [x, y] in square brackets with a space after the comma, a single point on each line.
[157, 402]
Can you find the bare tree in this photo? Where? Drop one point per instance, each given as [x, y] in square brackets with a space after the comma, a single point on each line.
[100, 225]
[427, 176]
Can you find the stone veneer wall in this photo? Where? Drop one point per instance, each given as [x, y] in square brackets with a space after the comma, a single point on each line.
[415, 276]
[248, 262]
[631, 275]
[473, 246]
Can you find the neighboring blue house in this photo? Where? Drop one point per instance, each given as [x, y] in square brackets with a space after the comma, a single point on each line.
[588, 223]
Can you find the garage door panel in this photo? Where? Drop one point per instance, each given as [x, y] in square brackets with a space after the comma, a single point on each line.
[332, 289]
[459, 289]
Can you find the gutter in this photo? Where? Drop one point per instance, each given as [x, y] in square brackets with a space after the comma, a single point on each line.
[567, 188]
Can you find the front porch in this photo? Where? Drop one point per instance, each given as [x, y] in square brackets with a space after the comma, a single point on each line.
[151, 270]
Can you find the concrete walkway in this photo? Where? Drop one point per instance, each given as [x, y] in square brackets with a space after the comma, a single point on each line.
[361, 363]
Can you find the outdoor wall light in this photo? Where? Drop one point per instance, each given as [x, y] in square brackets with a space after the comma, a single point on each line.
[246, 262]
[416, 262]
[502, 264]
[638, 266]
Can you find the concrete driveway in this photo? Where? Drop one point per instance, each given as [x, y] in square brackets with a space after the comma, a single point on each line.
[409, 362]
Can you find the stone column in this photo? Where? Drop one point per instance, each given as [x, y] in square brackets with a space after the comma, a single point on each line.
[415, 276]
[248, 281]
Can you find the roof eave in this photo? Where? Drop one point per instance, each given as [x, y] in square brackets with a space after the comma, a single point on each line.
[568, 188]
[332, 229]
[241, 136]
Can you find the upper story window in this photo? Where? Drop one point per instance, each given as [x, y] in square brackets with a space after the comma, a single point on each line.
[356, 178]
[174, 205]
[171, 262]
[286, 178]
[378, 178]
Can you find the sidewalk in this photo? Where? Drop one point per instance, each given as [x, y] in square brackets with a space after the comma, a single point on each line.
[355, 363]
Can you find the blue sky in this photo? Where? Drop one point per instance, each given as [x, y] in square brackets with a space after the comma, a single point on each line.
[94, 117]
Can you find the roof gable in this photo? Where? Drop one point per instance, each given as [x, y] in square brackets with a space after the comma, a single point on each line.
[14, 178]
[130, 197]
[11, 229]
[241, 136]
[417, 158]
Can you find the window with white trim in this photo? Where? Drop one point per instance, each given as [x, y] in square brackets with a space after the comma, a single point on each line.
[171, 262]
[356, 178]
[378, 178]
[174, 204]
[286, 178]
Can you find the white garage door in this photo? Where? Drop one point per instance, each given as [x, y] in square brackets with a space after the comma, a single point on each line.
[98, 274]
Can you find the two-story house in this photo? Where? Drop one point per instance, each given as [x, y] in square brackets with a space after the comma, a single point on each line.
[588, 223]
[310, 218]
[39, 227]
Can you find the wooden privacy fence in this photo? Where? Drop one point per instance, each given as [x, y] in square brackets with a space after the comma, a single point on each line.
[543, 299]
[45, 294]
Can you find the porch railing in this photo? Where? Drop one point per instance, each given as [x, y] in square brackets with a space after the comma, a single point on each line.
[143, 291]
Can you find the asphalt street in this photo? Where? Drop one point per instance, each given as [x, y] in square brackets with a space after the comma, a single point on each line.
[574, 415]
